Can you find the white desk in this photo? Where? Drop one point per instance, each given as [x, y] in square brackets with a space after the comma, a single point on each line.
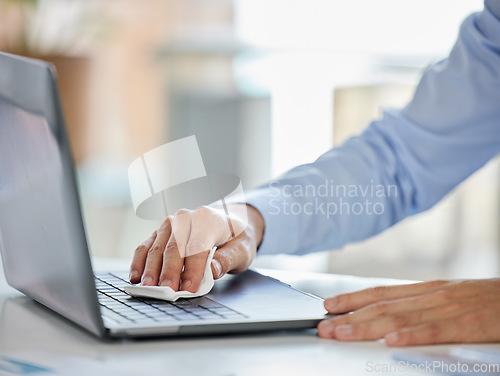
[30, 332]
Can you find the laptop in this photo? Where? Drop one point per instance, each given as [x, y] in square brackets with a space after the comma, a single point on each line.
[44, 247]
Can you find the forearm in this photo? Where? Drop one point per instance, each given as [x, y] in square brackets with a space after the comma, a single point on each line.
[403, 163]
[348, 194]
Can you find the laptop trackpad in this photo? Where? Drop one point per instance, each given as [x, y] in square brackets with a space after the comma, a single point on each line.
[260, 296]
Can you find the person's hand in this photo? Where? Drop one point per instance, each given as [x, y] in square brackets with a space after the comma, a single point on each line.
[423, 313]
[176, 254]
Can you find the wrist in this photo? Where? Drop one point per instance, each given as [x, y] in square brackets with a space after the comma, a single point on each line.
[256, 221]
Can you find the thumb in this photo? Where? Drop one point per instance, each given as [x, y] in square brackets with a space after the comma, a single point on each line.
[233, 257]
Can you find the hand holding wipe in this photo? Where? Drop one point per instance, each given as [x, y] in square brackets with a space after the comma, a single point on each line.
[167, 293]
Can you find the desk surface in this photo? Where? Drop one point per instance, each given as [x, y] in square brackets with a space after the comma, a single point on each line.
[31, 333]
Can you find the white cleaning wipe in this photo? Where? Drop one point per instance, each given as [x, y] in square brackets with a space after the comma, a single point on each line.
[166, 293]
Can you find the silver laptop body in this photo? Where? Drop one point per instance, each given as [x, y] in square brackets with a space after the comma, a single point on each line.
[44, 247]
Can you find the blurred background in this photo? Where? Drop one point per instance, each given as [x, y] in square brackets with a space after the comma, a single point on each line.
[264, 85]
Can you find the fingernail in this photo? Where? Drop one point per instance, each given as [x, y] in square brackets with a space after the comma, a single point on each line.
[133, 274]
[217, 267]
[147, 281]
[331, 303]
[166, 282]
[327, 329]
[344, 330]
[392, 338]
[185, 284]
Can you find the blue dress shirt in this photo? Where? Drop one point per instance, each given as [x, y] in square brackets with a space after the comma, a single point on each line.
[404, 162]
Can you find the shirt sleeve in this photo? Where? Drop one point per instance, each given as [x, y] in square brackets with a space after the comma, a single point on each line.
[404, 162]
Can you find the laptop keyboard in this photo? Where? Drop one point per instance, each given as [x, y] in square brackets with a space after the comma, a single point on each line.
[119, 307]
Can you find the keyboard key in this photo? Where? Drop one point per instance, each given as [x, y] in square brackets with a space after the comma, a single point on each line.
[208, 303]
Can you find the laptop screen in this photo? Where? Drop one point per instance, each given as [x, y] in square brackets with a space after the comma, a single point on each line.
[42, 240]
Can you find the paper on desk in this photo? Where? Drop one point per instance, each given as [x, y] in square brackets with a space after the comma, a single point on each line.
[31, 362]
[458, 361]
[477, 354]
[167, 293]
